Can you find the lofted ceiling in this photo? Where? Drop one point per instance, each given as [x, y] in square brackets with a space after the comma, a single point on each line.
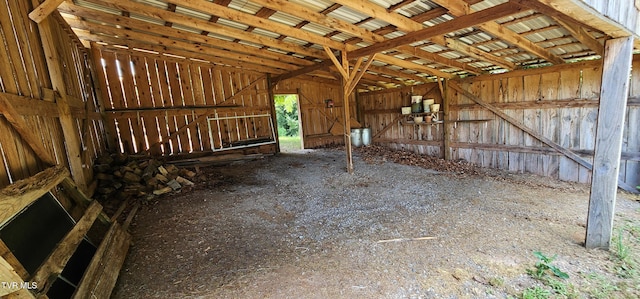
[414, 41]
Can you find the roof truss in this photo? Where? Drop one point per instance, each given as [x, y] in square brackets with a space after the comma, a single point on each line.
[414, 41]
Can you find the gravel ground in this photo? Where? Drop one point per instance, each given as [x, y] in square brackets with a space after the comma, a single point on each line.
[296, 225]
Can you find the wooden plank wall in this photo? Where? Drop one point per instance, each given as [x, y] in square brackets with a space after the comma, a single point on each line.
[317, 120]
[148, 97]
[24, 80]
[560, 103]
[624, 12]
[381, 108]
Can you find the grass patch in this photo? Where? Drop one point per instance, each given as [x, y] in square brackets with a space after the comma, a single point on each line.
[289, 143]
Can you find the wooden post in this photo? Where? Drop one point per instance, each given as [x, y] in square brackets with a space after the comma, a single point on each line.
[609, 132]
[69, 129]
[347, 115]
[446, 106]
[274, 117]
[349, 83]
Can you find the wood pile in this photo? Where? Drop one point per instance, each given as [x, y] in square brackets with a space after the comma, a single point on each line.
[127, 176]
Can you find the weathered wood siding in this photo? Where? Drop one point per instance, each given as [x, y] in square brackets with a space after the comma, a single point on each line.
[624, 12]
[150, 97]
[382, 109]
[25, 82]
[630, 163]
[318, 120]
[559, 103]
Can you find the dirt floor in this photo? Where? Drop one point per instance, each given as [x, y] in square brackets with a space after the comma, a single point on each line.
[296, 225]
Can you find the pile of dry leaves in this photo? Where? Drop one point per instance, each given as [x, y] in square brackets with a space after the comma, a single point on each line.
[378, 154]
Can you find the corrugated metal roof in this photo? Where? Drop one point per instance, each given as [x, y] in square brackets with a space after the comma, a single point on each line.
[245, 6]
[317, 29]
[232, 24]
[316, 5]
[347, 14]
[286, 19]
[193, 13]
[266, 33]
[543, 31]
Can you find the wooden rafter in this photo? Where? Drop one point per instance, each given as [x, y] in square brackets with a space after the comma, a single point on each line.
[368, 36]
[164, 33]
[175, 18]
[357, 74]
[44, 10]
[584, 14]
[470, 20]
[378, 12]
[162, 41]
[299, 45]
[478, 54]
[173, 51]
[251, 20]
[582, 35]
[460, 8]
[462, 22]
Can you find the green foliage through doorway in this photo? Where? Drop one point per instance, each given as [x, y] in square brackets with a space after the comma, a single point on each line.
[287, 115]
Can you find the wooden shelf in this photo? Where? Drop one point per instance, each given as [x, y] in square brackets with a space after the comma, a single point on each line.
[411, 123]
[455, 122]
[421, 113]
[469, 120]
[405, 119]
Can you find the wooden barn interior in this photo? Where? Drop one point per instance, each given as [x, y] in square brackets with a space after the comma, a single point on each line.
[547, 87]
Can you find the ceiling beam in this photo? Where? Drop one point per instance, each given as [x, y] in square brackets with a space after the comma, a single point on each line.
[460, 8]
[163, 41]
[429, 15]
[581, 34]
[173, 52]
[251, 20]
[462, 22]
[466, 21]
[417, 25]
[176, 18]
[378, 12]
[397, 73]
[412, 65]
[368, 36]
[43, 10]
[318, 18]
[585, 14]
[170, 32]
[476, 53]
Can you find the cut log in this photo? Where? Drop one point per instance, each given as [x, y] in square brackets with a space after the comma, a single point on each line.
[162, 191]
[174, 184]
[184, 181]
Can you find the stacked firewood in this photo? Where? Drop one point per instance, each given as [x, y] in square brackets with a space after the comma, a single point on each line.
[125, 176]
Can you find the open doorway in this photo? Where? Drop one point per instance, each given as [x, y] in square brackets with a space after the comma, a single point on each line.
[289, 124]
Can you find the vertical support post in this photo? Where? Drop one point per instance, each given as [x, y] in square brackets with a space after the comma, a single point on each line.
[69, 128]
[272, 104]
[347, 115]
[609, 134]
[446, 105]
[359, 108]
